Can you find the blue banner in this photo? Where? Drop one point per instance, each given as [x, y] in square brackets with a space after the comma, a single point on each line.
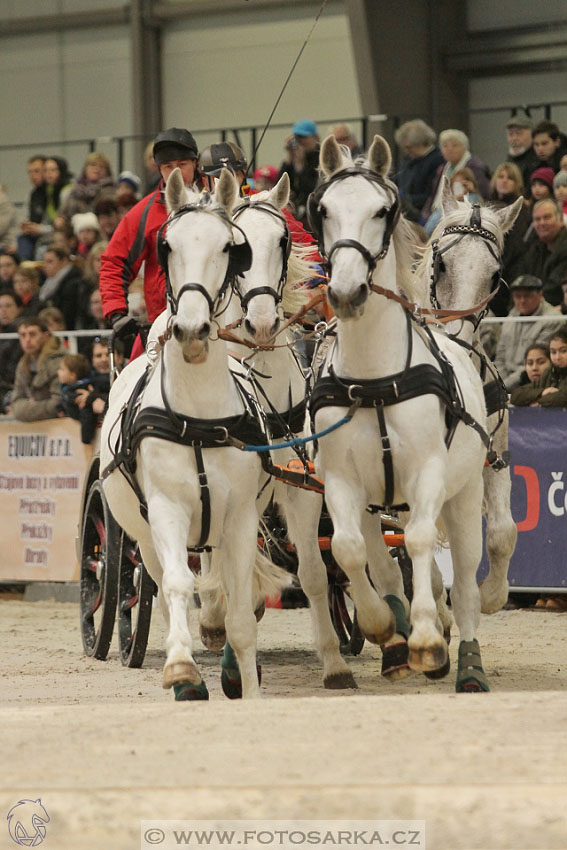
[538, 439]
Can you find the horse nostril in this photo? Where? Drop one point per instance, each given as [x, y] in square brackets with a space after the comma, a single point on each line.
[275, 326]
[331, 297]
[362, 294]
[177, 332]
[204, 331]
[250, 329]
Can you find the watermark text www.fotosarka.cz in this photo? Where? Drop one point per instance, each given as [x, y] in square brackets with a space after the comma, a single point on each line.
[282, 834]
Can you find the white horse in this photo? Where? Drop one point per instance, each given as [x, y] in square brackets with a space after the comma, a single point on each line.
[266, 291]
[412, 452]
[460, 266]
[191, 381]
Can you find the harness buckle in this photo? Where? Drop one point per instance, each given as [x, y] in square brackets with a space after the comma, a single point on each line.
[224, 438]
[350, 389]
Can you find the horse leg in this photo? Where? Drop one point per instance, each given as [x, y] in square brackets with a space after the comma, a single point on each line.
[462, 516]
[387, 579]
[235, 559]
[427, 648]
[302, 511]
[212, 613]
[169, 524]
[501, 534]
[347, 503]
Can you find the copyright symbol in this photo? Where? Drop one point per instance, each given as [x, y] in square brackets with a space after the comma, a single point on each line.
[154, 836]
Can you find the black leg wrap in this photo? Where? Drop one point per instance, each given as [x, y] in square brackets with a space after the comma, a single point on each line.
[399, 612]
[470, 673]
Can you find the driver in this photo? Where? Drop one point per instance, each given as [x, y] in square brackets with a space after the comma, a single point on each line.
[134, 240]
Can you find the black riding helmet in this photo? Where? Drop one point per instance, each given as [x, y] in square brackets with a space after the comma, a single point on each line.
[173, 144]
[222, 155]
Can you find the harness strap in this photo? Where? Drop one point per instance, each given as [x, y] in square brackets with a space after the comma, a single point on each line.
[205, 497]
[386, 456]
[447, 315]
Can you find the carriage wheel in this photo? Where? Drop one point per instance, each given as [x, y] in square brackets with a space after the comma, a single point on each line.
[343, 613]
[136, 590]
[100, 544]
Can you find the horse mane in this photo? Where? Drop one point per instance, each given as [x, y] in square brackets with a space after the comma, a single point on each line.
[459, 216]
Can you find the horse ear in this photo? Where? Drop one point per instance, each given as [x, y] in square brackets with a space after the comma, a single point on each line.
[226, 191]
[380, 156]
[330, 158]
[279, 196]
[448, 200]
[175, 195]
[507, 215]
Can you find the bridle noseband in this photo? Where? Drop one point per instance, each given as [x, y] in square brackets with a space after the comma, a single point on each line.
[285, 246]
[473, 228]
[239, 261]
[392, 214]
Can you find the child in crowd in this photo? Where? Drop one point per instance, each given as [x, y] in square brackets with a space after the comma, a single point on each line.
[541, 184]
[550, 389]
[86, 229]
[536, 362]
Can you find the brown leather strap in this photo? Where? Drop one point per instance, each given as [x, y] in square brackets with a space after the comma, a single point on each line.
[442, 315]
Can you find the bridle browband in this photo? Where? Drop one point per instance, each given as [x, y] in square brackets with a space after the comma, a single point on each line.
[315, 211]
[473, 228]
[240, 258]
[285, 245]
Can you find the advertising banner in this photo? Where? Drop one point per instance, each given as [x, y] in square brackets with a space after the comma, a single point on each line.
[42, 466]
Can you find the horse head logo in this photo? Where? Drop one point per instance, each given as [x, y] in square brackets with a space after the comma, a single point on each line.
[26, 823]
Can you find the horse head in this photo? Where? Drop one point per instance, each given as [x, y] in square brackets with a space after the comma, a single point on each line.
[260, 289]
[354, 211]
[198, 251]
[463, 261]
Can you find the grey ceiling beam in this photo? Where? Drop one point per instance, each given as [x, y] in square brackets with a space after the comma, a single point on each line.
[508, 51]
[59, 22]
[189, 8]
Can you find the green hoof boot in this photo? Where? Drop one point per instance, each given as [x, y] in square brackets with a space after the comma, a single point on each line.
[187, 691]
[471, 678]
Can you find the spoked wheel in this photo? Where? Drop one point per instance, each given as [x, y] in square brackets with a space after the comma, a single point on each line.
[100, 545]
[343, 613]
[136, 591]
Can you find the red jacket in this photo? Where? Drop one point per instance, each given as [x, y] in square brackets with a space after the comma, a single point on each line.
[134, 242]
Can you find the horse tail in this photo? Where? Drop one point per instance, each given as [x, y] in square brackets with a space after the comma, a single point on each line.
[268, 580]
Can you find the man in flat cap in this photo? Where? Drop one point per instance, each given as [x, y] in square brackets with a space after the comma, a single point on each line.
[520, 147]
[134, 240]
[516, 337]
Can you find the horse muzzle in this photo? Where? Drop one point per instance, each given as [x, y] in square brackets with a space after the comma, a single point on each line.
[349, 305]
[194, 342]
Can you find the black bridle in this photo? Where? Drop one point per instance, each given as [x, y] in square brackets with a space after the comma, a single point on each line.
[473, 228]
[285, 246]
[316, 214]
[239, 258]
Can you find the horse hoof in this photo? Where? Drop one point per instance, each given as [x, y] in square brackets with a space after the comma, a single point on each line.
[441, 672]
[187, 692]
[423, 660]
[340, 681]
[181, 673]
[260, 611]
[395, 661]
[232, 683]
[213, 639]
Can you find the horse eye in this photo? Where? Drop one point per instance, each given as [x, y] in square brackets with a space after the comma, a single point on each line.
[441, 267]
[495, 278]
[322, 211]
[381, 213]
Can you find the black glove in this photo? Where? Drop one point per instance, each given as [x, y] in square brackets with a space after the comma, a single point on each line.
[124, 326]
